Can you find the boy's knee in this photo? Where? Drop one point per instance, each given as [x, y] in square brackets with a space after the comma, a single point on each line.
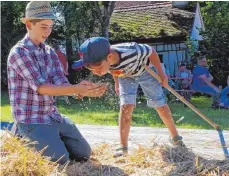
[86, 153]
[163, 109]
[82, 155]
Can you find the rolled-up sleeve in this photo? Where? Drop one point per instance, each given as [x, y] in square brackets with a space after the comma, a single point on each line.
[58, 73]
[24, 66]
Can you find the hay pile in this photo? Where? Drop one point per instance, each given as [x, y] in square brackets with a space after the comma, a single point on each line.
[18, 159]
[147, 161]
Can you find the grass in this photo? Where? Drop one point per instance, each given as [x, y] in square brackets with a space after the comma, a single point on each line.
[106, 112]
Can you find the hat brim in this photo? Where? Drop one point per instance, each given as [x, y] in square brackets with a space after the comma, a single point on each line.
[24, 20]
[78, 64]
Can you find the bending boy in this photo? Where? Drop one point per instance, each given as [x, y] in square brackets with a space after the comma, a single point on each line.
[125, 62]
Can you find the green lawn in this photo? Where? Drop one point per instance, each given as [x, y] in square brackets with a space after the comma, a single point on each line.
[104, 112]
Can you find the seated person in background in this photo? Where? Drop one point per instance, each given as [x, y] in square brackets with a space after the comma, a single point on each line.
[202, 81]
[64, 64]
[184, 80]
[224, 100]
[170, 81]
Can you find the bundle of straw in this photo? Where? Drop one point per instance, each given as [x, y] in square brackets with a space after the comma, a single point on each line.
[18, 159]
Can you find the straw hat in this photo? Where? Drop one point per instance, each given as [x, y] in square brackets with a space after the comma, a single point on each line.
[38, 10]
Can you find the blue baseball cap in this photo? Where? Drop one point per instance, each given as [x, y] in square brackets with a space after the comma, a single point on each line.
[93, 50]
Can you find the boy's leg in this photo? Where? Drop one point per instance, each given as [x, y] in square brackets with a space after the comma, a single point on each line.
[125, 118]
[156, 99]
[45, 135]
[166, 116]
[128, 90]
[77, 146]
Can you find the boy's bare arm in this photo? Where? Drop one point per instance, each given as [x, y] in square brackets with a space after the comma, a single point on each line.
[84, 90]
[154, 59]
[116, 84]
[115, 79]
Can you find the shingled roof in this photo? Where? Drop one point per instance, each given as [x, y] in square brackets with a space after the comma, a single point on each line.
[133, 20]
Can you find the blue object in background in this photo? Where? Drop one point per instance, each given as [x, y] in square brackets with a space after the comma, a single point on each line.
[6, 125]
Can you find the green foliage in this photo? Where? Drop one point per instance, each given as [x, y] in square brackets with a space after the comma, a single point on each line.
[12, 30]
[216, 34]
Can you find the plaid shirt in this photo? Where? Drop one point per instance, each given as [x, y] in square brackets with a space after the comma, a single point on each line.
[30, 66]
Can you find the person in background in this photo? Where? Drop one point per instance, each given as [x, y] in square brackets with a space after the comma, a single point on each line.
[170, 81]
[64, 62]
[62, 57]
[184, 80]
[224, 100]
[202, 81]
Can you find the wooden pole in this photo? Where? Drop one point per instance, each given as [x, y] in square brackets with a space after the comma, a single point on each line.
[217, 127]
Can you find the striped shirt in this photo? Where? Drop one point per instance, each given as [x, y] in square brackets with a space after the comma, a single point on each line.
[30, 66]
[132, 58]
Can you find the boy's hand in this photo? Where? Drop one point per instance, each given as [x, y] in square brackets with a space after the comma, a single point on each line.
[85, 83]
[164, 79]
[89, 89]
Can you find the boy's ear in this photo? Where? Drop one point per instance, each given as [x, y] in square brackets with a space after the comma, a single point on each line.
[28, 25]
[109, 56]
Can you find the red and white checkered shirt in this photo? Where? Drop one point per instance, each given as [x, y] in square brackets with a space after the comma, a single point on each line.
[29, 66]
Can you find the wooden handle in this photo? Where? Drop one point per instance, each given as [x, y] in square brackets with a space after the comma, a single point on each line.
[181, 98]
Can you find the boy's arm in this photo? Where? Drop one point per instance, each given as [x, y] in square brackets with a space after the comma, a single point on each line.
[116, 84]
[84, 89]
[154, 59]
[115, 79]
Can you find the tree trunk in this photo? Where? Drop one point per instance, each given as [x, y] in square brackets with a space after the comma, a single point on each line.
[67, 32]
[104, 17]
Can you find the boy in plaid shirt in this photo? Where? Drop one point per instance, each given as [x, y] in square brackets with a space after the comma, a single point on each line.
[35, 75]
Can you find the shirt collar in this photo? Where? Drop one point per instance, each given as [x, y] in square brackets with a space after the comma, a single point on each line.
[30, 45]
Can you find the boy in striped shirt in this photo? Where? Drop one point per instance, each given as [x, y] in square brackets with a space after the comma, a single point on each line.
[126, 64]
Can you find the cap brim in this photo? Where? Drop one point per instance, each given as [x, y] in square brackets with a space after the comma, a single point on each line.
[78, 64]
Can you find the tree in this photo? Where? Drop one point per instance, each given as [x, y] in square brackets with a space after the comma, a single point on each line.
[104, 15]
[216, 38]
[12, 30]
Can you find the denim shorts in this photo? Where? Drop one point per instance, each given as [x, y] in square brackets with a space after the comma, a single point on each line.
[150, 86]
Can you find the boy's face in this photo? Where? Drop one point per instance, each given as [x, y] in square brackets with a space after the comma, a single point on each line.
[182, 68]
[40, 31]
[99, 69]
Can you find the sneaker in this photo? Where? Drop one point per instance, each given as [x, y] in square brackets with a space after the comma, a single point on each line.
[122, 151]
[177, 141]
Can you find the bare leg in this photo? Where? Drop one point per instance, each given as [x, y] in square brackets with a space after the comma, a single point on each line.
[124, 123]
[166, 116]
